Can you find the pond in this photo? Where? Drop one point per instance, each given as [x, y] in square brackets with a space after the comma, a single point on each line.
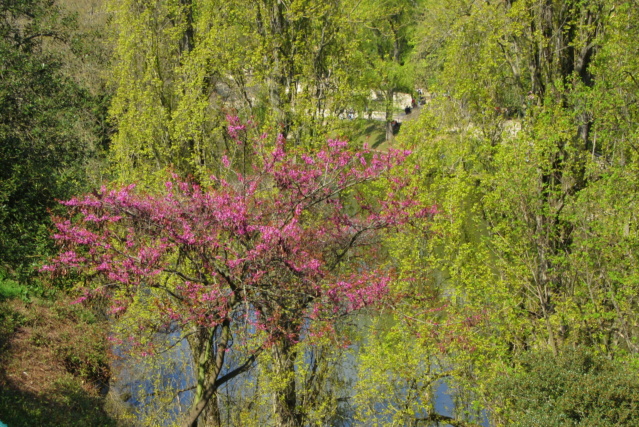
[148, 386]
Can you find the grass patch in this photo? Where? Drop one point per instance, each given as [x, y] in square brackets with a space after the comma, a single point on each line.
[360, 131]
[11, 289]
[68, 404]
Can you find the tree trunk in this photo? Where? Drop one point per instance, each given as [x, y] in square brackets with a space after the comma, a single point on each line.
[389, 114]
[210, 416]
[285, 403]
[209, 360]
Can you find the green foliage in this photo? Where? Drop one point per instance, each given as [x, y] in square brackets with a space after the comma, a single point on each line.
[12, 289]
[528, 149]
[397, 377]
[323, 381]
[42, 152]
[530, 161]
[577, 388]
[522, 230]
[181, 66]
[385, 41]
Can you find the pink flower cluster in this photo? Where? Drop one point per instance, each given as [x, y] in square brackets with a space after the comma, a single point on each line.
[268, 246]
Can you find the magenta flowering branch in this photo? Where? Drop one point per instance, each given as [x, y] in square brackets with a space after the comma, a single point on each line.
[264, 248]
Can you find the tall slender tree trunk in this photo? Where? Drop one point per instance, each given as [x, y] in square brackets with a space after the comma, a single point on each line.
[390, 93]
[209, 359]
[203, 352]
[285, 399]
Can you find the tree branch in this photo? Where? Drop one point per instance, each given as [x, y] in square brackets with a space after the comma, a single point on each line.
[212, 388]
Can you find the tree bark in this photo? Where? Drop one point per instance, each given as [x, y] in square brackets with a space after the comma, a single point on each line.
[210, 360]
[390, 93]
[285, 403]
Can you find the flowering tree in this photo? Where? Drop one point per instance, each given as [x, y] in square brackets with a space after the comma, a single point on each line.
[259, 254]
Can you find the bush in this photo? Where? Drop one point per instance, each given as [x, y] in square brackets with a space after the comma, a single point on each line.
[577, 387]
[46, 137]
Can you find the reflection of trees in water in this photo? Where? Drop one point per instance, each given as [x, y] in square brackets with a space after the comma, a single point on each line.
[159, 389]
[155, 389]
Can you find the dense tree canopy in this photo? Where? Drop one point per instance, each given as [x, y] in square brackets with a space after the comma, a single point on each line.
[530, 160]
[181, 66]
[46, 127]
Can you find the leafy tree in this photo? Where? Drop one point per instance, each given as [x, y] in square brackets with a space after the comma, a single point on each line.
[42, 154]
[532, 165]
[522, 186]
[181, 66]
[386, 35]
[253, 262]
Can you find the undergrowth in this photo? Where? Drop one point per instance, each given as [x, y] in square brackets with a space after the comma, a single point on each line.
[54, 367]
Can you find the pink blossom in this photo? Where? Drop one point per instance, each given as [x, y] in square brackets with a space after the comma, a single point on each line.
[248, 242]
[225, 161]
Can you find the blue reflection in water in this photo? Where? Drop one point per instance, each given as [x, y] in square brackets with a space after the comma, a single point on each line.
[145, 385]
